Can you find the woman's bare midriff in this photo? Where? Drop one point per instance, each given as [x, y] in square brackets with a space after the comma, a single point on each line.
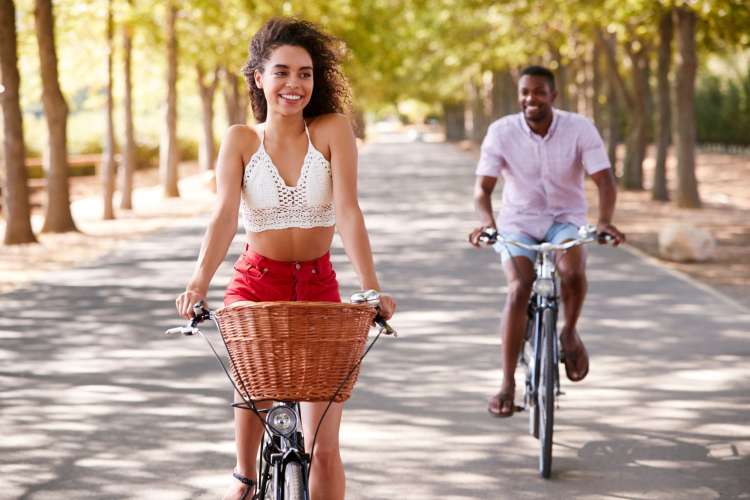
[292, 244]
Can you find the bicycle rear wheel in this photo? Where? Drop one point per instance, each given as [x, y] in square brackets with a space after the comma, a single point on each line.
[546, 393]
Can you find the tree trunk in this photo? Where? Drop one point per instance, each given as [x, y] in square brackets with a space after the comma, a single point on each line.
[477, 119]
[107, 167]
[562, 86]
[635, 147]
[207, 150]
[503, 94]
[687, 183]
[16, 207]
[58, 218]
[127, 169]
[596, 86]
[613, 123]
[659, 189]
[235, 101]
[359, 124]
[455, 127]
[168, 152]
[617, 94]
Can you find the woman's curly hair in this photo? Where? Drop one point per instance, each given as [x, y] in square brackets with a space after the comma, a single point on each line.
[331, 92]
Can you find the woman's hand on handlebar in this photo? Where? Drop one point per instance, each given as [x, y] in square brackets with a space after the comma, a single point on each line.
[387, 306]
[185, 302]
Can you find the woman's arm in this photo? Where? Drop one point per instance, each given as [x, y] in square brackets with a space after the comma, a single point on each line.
[223, 224]
[349, 219]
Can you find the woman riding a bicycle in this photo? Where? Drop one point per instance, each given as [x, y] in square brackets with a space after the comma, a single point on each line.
[291, 179]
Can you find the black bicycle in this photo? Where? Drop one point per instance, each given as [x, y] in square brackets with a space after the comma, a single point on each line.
[284, 465]
[541, 354]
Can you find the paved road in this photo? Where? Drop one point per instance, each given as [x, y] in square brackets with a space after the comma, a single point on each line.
[95, 403]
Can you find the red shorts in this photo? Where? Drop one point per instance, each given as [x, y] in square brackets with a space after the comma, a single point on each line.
[260, 279]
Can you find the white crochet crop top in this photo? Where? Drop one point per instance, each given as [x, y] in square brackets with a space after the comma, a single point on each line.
[268, 203]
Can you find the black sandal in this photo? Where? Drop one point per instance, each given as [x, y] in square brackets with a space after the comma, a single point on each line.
[247, 482]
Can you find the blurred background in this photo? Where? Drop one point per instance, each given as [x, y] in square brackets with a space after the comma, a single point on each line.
[117, 90]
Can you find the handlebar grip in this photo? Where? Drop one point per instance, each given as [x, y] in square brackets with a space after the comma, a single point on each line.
[187, 330]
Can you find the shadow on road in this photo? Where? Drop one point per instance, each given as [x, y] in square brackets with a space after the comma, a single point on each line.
[97, 403]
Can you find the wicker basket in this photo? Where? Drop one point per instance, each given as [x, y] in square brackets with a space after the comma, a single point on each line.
[294, 351]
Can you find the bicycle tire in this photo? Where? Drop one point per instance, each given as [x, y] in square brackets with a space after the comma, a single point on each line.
[546, 394]
[294, 486]
[528, 355]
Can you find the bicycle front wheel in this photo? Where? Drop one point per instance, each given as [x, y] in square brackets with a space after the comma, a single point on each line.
[546, 393]
[527, 356]
[294, 483]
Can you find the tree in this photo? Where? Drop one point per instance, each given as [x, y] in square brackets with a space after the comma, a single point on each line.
[58, 217]
[127, 169]
[635, 98]
[214, 37]
[659, 190]
[687, 183]
[108, 151]
[15, 192]
[168, 152]
[235, 99]
[207, 89]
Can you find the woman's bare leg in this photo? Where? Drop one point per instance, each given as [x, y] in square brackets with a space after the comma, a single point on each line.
[327, 481]
[248, 432]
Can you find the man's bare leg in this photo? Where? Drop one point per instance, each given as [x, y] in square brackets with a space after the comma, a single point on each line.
[519, 272]
[572, 270]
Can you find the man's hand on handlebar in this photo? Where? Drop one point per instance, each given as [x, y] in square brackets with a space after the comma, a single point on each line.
[475, 236]
[605, 228]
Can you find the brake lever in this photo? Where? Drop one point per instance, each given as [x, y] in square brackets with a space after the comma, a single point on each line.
[384, 326]
[200, 314]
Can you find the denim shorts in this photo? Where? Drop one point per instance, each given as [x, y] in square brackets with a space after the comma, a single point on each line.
[557, 233]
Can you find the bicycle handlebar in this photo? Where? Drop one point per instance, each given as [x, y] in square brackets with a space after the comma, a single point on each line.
[202, 313]
[587, 234]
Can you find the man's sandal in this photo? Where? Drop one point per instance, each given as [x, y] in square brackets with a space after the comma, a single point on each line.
[247, 482]
[571, 359]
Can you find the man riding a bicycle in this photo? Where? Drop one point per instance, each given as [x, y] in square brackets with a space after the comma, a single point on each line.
[542, 154]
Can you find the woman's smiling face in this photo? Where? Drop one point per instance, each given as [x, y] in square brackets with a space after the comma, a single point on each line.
[287, 80]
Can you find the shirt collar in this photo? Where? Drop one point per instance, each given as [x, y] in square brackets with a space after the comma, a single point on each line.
[552, 127]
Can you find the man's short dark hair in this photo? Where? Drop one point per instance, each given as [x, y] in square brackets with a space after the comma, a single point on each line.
[540, 71]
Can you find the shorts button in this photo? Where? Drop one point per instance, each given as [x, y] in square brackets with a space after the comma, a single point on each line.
[297, 266]
[265, 269]
[314, 271]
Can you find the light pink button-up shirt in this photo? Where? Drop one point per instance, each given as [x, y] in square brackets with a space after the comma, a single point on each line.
[543, 175]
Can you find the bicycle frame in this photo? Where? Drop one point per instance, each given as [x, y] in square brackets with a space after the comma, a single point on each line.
[545, 297]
